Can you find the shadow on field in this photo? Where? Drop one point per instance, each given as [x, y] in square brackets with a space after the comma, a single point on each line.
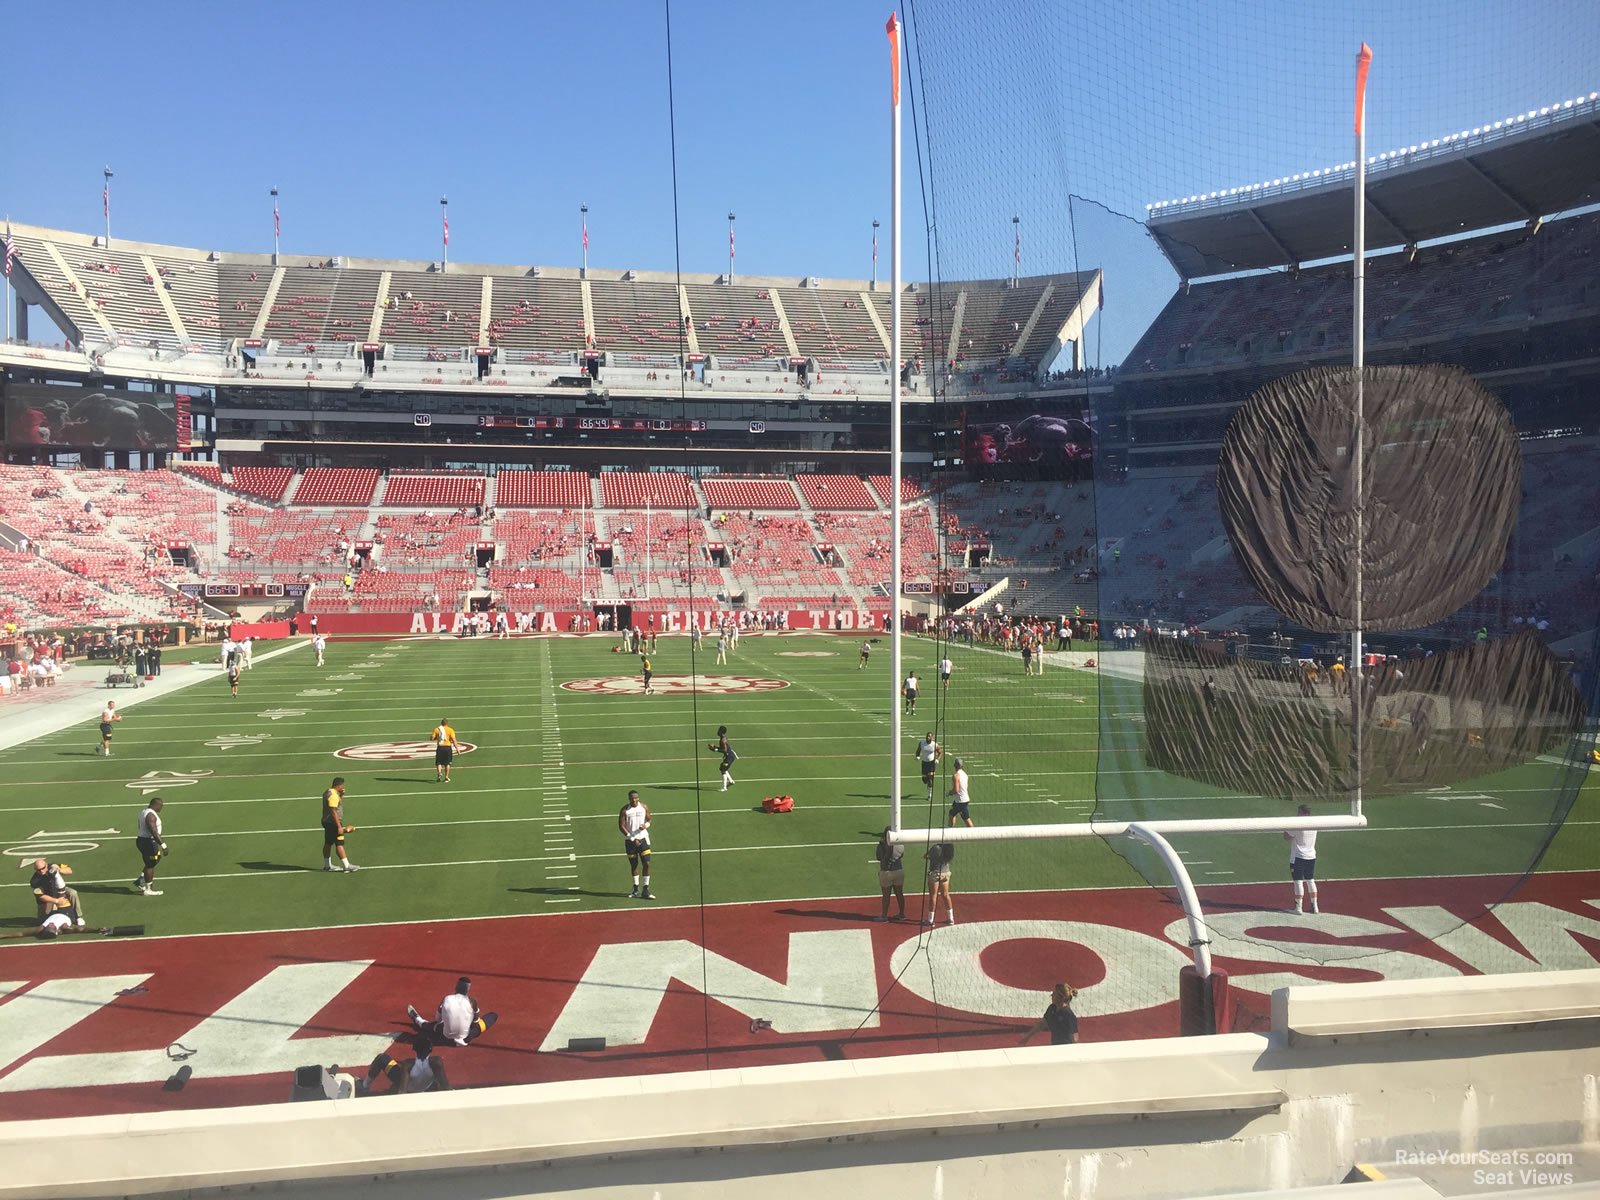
[561, 891]
[22, 922]
[272, 866]
[827, 914]
[420, 782]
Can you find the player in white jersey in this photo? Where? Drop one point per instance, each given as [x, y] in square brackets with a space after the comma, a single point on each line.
[109, 716]
[945, 667]
[247, 650]
[1303, 864]
[320, 645]
[459, 1020]
[634, 824]
[929, 752]
[148, 839]
[960, 796]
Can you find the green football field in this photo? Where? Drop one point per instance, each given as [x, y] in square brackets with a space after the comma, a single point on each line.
[559, 733]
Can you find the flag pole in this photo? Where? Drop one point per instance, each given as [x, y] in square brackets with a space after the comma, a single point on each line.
[897, 667]
[1358, 450]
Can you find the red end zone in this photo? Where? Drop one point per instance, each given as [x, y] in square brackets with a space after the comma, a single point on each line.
[833, 983]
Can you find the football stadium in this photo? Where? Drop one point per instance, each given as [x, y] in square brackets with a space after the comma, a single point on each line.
[670, 730]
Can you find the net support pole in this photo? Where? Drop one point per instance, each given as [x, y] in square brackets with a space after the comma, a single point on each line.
[897, 666]
[1105, 829]
[1199, 943]
[1358, 444]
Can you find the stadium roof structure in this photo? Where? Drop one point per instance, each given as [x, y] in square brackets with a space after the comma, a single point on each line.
[1518, 170]
[143, 298]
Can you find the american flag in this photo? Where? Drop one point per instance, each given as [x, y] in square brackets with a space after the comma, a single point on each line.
[586, 237]
[447, 229]
[277, 226]
[105, 199]
[874, 247]
[730, 241]
[1016, 253]
[11, 249]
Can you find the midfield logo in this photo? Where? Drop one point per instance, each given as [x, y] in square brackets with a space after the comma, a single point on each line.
[675, 685]
[397, 751]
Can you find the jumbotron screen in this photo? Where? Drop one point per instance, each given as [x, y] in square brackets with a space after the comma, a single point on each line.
[95, 418]
[1027, 440]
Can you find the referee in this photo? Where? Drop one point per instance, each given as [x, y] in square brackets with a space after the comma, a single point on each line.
[444, 750]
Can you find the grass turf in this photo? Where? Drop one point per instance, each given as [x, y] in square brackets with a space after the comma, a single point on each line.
[528, 824]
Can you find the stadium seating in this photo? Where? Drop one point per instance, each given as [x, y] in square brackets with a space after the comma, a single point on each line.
[911, 488]
[320, 307]
[663, 489]
[265, 483]
[342, 486]
[412, 539]
[289, 538]
[1470, 286]
[635, 317]
[533, 313]
[205, 472]
[434, 491]
[540, 537]
[775, 495]
[542, 489]
[738, 323]
[837, 492]
[427, 308]
[832, 326]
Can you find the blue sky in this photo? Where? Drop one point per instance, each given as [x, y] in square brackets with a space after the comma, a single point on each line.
[363, 114]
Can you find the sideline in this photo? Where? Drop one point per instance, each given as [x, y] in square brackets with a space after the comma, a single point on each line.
[20, 727]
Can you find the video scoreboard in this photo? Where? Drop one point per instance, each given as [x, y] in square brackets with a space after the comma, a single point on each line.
[595, 424]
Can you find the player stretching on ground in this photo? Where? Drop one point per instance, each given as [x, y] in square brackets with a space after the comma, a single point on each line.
[459, 1019]
[725, 748]
[634, 823]
[444, 750]
[334, 828]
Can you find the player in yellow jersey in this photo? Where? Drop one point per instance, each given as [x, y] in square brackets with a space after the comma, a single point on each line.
[444, 749]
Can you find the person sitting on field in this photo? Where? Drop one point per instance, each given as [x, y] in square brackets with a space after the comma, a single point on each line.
[424, 1073]
[51, 893]
[459, 1019]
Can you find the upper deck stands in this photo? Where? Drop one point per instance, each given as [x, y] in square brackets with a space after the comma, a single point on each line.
[632, 317]
[831, 325]
[317, 306]
[429, 308]
[739, 323]
[531, 313]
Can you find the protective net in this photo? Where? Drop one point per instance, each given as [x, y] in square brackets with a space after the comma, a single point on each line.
[1162, 494]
